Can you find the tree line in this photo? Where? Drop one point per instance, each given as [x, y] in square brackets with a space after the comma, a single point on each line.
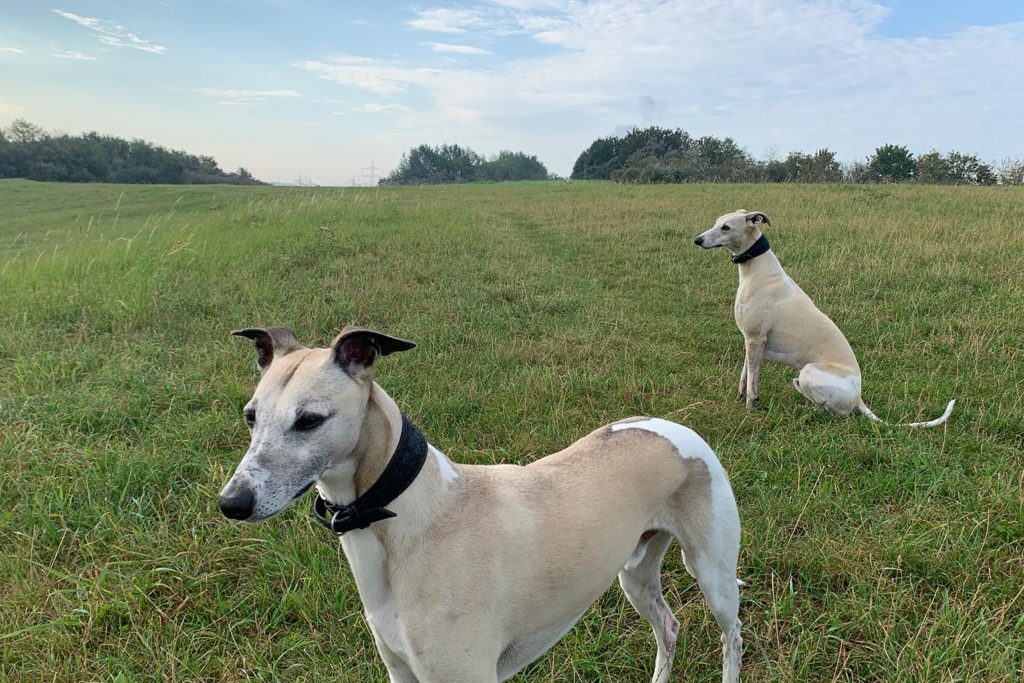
[427, 165]
[27, 151]
[663, 155]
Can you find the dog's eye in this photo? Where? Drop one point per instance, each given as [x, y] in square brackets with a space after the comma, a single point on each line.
[726, 228]
[250, 417]
[308, 422]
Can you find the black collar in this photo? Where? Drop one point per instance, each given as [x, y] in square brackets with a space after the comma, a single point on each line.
[756, 249]
[402, 469]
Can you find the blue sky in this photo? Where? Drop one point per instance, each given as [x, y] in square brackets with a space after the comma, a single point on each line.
[322, 89]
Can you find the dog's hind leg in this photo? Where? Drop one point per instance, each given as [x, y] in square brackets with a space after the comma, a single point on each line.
[716, 575]
[829, 386]
[641, 582]
[707, 526]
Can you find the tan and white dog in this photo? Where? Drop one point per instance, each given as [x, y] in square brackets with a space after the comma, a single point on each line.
[483, 568]
[781, 323]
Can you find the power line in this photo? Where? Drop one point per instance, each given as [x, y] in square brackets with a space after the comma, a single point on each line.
[371, 172]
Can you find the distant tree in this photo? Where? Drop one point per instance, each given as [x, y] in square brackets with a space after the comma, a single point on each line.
[820, 167]
[776, 171]
[825, 168]
[512, 166]
[427, 165]
[954, 168]
[597, 161]
[7, 169]
[27, 151]
[1011, 172]
[662, 155]
[24, 132]
[859, 172]
[892, 163]
[932, 168]
[967, 169]
[986, 175]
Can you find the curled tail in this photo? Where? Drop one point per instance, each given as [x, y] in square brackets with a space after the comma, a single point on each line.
[864, 410]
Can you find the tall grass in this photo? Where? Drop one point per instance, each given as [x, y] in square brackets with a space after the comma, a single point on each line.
[541, 311]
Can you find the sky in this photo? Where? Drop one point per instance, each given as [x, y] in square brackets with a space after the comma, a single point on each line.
[327, 90]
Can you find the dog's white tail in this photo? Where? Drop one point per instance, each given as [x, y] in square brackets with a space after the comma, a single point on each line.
[864, 410]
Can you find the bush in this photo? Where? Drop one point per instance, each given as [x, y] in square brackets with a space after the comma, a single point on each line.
[892, 164]
[426, 165]
[662, 155]
[27, 151]
[1011, 172]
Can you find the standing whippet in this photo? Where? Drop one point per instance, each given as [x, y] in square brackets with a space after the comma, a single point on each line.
[781, 323]
[474, 571]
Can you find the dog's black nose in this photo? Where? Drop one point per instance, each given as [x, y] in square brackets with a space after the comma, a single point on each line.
[237, 505]
[698, 240]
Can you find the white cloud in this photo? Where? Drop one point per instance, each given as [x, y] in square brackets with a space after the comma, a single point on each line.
[378, 107]
[378, 76]
[789, 74]
[530, 4]
[7, 109]
[500, 19]
[458, 49]
[250, 95]
[444, 20]
[235, 103]
[113, 34]
[70, 54]
[11, 51]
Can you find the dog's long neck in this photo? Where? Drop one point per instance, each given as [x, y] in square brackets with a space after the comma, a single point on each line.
[760, 266]
[379, 435]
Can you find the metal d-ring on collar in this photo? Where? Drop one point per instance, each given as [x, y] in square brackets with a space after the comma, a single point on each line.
[756, 249]
[401, 471]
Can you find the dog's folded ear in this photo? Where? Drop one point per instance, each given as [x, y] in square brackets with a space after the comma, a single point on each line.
[355, 349]
[756, 218]
[270, 343]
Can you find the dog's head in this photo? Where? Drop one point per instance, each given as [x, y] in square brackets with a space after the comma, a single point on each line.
[305, 416]
[734, 231]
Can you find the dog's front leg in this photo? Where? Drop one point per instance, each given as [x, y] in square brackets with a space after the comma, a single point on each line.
[398, 669]
[752, 366]
[743, 379]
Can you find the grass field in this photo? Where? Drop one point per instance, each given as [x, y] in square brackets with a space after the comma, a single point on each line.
[541, 311]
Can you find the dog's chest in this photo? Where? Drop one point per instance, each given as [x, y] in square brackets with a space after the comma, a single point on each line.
[367, 558]
[757, 298]
[746, 307]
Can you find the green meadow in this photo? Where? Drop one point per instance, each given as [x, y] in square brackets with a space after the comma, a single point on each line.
[541, 310]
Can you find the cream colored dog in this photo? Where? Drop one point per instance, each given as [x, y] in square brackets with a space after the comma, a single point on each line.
[781, 323]
[481, 569]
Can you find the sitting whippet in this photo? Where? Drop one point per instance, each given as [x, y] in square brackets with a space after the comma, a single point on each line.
[781, 323]
[471, 572]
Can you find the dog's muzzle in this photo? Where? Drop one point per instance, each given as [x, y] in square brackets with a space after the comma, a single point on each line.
[698, 240]
[237, 504]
